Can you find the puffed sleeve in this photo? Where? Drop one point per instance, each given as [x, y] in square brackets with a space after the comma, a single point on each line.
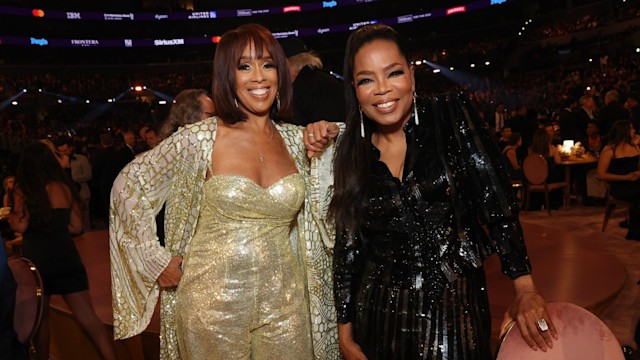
[347, 267]
[493, 200]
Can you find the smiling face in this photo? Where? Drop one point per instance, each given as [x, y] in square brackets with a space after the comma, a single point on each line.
[384, 83]
[256, 82]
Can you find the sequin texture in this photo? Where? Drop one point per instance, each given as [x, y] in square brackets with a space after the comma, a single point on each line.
[242, 292]
[411, 279]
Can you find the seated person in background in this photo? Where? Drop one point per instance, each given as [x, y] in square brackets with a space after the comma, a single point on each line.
[618, 164]
[594, 142]
[505, 134]
[554, 136]
[7, 186]
[542, 146]
[509, 152]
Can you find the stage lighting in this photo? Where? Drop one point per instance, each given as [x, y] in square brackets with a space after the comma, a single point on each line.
[451, 68]
[473, 65]
[109, 100]
[162, 102]
[59, 101]
[435, 71]
[418, 62]
[487, 63]
[14, 103]
[87, 101]
[137, 88]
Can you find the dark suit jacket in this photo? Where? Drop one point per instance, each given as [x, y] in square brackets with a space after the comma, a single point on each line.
[317, 96]
[611, 113]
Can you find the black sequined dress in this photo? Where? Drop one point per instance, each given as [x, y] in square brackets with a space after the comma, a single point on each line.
[411, 281]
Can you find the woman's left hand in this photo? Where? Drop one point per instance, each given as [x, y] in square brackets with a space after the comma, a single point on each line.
[529, 311]
[318, 134]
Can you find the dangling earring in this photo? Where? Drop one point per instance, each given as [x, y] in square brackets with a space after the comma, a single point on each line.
[278, 102]
[235, 100]
[361, 123]
[415, 109]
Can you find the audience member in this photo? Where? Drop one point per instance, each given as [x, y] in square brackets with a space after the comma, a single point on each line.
[80, 174]
[612, 111]
[317, 95]
[47, 212]
[105, 166]
[189, 106]
[7, 187]
[509, 152]
[618, 164]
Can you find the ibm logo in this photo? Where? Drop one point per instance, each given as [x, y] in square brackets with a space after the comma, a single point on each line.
[73, 15]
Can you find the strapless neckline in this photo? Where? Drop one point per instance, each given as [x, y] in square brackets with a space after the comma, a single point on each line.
[251, 181]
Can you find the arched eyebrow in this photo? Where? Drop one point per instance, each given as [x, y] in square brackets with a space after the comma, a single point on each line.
[368, 72]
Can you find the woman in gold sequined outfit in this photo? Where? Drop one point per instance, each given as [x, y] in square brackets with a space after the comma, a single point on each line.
[247, 215]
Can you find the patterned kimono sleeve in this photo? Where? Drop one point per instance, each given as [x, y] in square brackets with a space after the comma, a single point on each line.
[137, 258]
[313, 240]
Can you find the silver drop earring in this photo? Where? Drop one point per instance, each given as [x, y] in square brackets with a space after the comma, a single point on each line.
[235, 100]
[277, 102]
[361, 123]
[415, 109]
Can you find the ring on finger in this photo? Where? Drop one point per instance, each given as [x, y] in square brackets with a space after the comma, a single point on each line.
[310, 134]
[542, 325]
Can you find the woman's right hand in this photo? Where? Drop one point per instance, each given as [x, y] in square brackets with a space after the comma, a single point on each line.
[633, 176]
[349, 349]
[171, 275]
[318, 134]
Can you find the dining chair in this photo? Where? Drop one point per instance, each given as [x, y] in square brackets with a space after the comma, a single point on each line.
[29, 298]
[610, 204]
[581, 336]
[536, 171]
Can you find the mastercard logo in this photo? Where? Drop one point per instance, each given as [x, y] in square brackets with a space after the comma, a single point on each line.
[215, 39]
[37, 12]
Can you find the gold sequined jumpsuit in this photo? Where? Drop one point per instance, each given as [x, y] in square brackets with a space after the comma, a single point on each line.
[242, 294]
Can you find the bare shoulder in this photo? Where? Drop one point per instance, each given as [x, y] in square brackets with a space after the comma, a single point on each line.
[59, 195]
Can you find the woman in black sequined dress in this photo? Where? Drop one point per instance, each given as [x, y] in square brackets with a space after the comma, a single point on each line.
[416, 183]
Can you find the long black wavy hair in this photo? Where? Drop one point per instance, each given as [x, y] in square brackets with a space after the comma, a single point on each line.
[353, 153]
[37, 168]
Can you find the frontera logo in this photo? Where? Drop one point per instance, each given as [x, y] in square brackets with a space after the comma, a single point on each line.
[329, 4]
[41, 42]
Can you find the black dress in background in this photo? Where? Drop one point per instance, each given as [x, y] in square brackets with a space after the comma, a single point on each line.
[627, 190]
[53, 252]
[411, 281]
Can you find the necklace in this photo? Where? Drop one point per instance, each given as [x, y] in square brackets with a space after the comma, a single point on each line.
[260, 154]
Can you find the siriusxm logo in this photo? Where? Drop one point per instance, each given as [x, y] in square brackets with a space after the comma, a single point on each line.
[329, 4]
[41, 42]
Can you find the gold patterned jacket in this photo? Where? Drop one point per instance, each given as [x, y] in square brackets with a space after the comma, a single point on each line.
[173, 173]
